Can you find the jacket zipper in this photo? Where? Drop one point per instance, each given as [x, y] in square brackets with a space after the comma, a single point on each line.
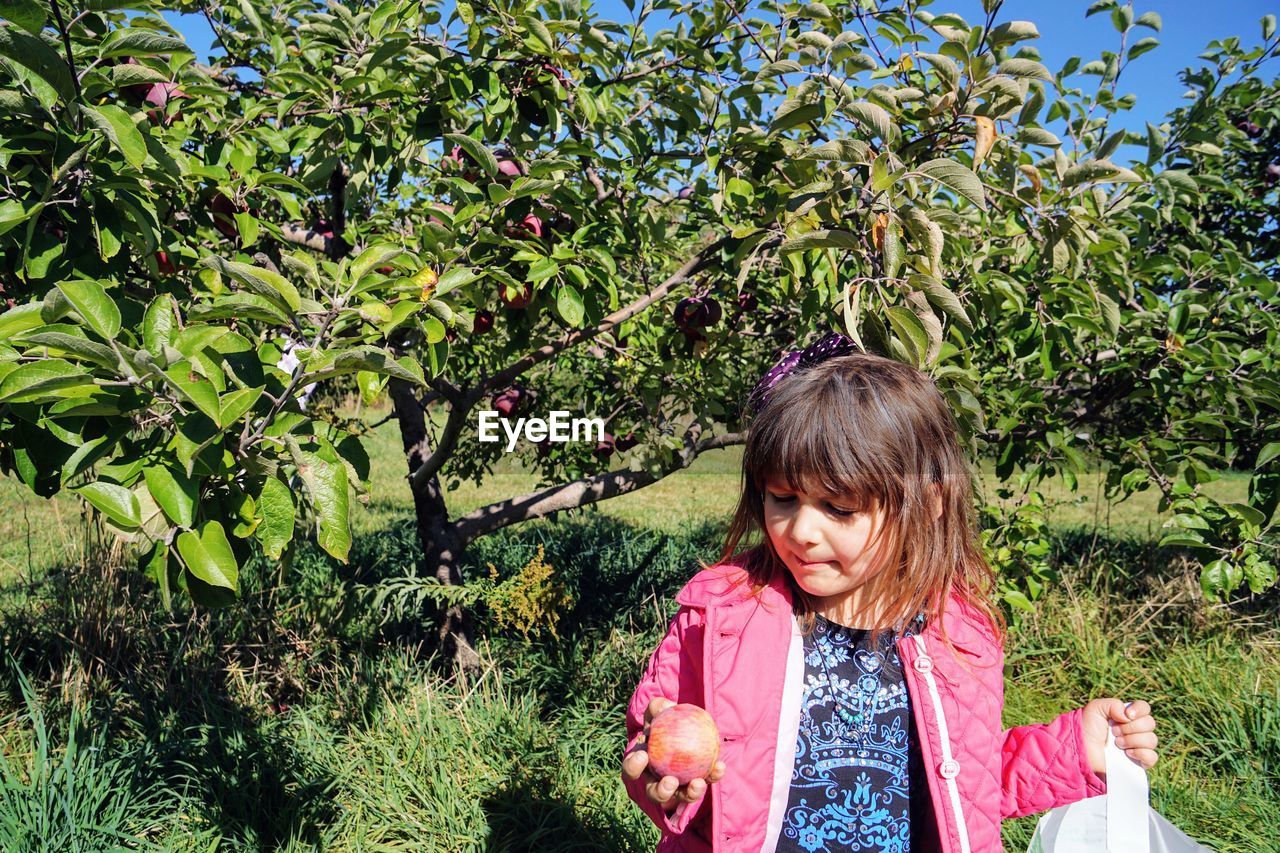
[953, 790]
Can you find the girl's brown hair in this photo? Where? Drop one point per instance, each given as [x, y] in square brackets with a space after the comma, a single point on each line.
[864, 431]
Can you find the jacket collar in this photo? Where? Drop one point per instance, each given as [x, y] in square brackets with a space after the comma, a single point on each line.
[727, 584]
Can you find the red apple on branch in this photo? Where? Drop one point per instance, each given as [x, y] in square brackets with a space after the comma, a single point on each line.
[224, 211]
[510, 400]
[483, 323]
[531, 225]
[520, 300]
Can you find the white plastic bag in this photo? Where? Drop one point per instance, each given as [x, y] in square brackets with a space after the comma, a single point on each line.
[1119, 821]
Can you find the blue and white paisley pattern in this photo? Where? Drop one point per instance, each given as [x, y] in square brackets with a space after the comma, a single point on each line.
[854, 775]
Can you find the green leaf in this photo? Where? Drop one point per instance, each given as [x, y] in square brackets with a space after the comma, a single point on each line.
[1268, 452]
[197, 389]
[157, 324]
[569, 305]
[131, 41]
[1011, 31]
[1142, 46]
[28, 14]
[456, 277]
[821, 239]
[80, 347]
[872, 117]
[327, 485]
[1152, 20]
[1220, 576]
[13, 213]
[908, 329]
[235, 404]
[941, 297]
[38, 378]
[539, 38]
[275, 505]
[174, 492]
[956, 177]
[1100, 171]
[115, 502]
[20, 318]
[322, 365]
[794, 113]
[477, 150]
[120, 130]
[1025, 68]
[94, 306]
[209, 557]
[156, 567]
[376, 255]
[39, 57]
[891, 252]
[1268, 26]
[134, 75]
[271, 286]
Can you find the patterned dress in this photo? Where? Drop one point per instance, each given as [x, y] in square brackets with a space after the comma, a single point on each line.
[858, 781]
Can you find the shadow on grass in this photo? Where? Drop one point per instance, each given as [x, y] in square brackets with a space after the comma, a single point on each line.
[523, 817]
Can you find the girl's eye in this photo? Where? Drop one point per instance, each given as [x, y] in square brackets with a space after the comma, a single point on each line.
[843, 513]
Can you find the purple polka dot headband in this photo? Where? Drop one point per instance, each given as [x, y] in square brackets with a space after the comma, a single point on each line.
[834, 344]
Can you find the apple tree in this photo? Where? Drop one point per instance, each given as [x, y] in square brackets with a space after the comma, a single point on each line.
[520, 205]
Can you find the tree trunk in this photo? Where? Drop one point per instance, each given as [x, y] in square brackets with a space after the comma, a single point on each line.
[440, 540]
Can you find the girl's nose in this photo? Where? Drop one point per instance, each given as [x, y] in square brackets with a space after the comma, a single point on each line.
[806, 525]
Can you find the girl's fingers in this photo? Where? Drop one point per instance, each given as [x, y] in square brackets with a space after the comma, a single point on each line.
[657, 705]
[634, 763]
[1143, 740]
[663, 790]
[1146, 757]
[694, 790]
[1138, 708]
[1142, 724]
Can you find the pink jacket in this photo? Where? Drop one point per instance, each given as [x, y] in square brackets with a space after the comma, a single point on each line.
[742, 659]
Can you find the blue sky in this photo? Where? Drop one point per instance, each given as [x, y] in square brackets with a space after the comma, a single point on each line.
[1187, 27]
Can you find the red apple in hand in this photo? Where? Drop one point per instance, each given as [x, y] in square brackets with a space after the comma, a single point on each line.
[683, 742]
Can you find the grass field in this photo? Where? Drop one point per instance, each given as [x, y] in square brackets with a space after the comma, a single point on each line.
[307, 718]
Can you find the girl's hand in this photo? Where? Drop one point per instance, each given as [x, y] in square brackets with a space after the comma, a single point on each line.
[1134, 732]
[667, 791]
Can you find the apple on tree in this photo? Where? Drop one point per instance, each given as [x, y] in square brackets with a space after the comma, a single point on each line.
[510, 400]
[482, 324]
[517, 300]
[224, 211]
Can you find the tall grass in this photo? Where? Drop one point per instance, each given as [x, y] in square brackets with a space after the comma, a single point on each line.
[77, 795]
[301, 720]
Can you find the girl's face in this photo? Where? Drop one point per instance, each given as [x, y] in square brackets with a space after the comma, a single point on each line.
[826, 545]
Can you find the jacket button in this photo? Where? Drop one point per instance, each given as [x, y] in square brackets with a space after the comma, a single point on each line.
[949, 769]
[924, 663]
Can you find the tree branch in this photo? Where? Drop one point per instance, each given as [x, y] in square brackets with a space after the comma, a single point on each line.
[459, 412]
[585, 491]
[66, 42]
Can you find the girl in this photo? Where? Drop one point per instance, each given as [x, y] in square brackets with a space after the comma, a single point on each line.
[853, 659]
